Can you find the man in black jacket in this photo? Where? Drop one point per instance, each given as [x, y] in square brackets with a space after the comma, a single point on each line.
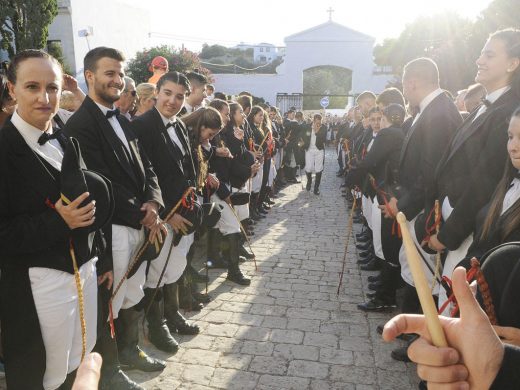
[314, 138]
[110, 147]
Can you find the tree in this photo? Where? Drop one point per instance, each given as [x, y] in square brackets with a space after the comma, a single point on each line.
[178, 59]
[24, 24]
[54, 49]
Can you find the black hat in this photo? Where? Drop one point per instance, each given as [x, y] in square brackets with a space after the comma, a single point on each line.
[501, 269]
[421, 232]
[212, 212]
[147, 251]
[77, 179]
[191, 210]
[240, 198]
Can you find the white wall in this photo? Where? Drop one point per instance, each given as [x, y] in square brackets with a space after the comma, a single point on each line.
[261, 85]
[114, 24]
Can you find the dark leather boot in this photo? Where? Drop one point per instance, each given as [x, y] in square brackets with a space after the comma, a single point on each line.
[234, 272]
[317, 183]
[112, 377]
[195, 276]
[186, 300]
[158, 331]
[130, 355]
[214, 258]
[175, 321]
[309, 181]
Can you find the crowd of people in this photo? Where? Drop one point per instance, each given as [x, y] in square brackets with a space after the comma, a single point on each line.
[450, 164]
[103, 196]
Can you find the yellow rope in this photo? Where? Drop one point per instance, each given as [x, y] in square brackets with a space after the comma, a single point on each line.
[81, 303]
[437, 273]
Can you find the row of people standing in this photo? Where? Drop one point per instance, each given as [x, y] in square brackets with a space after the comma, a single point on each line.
[436, 155]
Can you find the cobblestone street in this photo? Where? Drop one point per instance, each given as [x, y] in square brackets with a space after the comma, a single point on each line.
[289, 330]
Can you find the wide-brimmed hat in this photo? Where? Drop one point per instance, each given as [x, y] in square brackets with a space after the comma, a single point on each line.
[240, 198]
[211, 214]
[191, 210]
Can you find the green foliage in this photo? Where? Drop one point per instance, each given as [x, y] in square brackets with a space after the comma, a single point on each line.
[24, 24]
[178, 59]
[54, 49]
[452, 41]
[326, 80]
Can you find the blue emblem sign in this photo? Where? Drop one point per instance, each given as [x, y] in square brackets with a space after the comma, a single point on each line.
[324, 102]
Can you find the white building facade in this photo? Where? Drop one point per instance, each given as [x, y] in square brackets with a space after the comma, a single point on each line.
[327, 44]
[100, 23]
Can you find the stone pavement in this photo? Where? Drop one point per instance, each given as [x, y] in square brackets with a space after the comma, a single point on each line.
[289, 330]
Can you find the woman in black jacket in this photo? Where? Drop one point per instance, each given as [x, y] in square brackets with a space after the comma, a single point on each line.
[314, 138]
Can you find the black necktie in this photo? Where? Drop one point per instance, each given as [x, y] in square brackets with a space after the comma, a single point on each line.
[486, 102]
[47, 137]
[111, 113]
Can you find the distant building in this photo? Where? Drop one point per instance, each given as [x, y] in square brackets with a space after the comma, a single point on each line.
[263, 53]
[328, 44]
[83, 25]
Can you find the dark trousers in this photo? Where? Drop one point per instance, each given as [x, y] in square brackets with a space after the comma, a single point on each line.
[391, 270]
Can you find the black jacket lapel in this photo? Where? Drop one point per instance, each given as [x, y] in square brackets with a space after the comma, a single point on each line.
[112, 138]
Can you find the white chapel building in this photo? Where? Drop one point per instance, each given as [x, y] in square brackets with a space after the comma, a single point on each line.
[327, 44]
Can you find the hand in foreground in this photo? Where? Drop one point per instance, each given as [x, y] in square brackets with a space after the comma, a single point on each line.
[390, 211]
[151, 214]
[179, 223]
[89, 371]
[224, 152]
[508, 334]
[107, 277]
[74, 215]
[435, 244]
[157, 232]
[475, 355]
[212, 181]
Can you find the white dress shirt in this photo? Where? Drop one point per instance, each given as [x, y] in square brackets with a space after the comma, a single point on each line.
[492, 98]
[171, 131]
[512, 195]
[374, 135]
[51, 151]
[116, 126]
[426, 102]
[312, 144]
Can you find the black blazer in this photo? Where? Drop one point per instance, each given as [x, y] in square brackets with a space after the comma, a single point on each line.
[32, 234]
[321, 137]
[165, 157]
[381, 161]
[472, 166]
[423, 146]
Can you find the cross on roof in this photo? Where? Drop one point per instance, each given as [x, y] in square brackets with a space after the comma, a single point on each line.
[330, 11]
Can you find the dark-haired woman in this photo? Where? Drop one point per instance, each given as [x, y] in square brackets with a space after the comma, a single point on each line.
[203, 130]
[381, 163]
[7, 104]
[472, 165]
[255, 120]
[41, 331]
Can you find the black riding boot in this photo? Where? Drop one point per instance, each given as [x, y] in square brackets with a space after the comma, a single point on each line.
[175, 321]
[309, 181]
[215, 259]
[234, 273]
[193, 273]
[112, 377]
[159, 334]
[186, 299]
[130, 354]
[317, 183]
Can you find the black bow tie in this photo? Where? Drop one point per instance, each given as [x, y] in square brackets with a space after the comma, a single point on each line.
[47, 137]
[169, 124]
[486, 102]
[111, 113]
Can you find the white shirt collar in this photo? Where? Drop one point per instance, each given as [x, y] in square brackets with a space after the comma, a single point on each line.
[165, 120]
[493, 96]
[30, 133]
[429, 98]
[104, 109]
[188, 107]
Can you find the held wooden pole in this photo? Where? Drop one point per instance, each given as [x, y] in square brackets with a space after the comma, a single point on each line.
[421, 284]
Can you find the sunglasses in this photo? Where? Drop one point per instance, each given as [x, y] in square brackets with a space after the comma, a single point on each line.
[133, 93]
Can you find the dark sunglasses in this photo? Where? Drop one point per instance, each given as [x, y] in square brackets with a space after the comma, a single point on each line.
[133, 93]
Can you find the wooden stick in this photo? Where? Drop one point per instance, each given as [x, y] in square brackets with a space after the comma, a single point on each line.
[421, 285]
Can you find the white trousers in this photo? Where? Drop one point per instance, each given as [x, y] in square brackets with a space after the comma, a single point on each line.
[125, 243]
[227, 224]
[314, 160]
[56, 300]
[278, 158]
[256, 181]
[406, 274]
[452, 258]
[176, 264]
[376, 229]
[366, 208]
[242, 210]
[272, 174]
